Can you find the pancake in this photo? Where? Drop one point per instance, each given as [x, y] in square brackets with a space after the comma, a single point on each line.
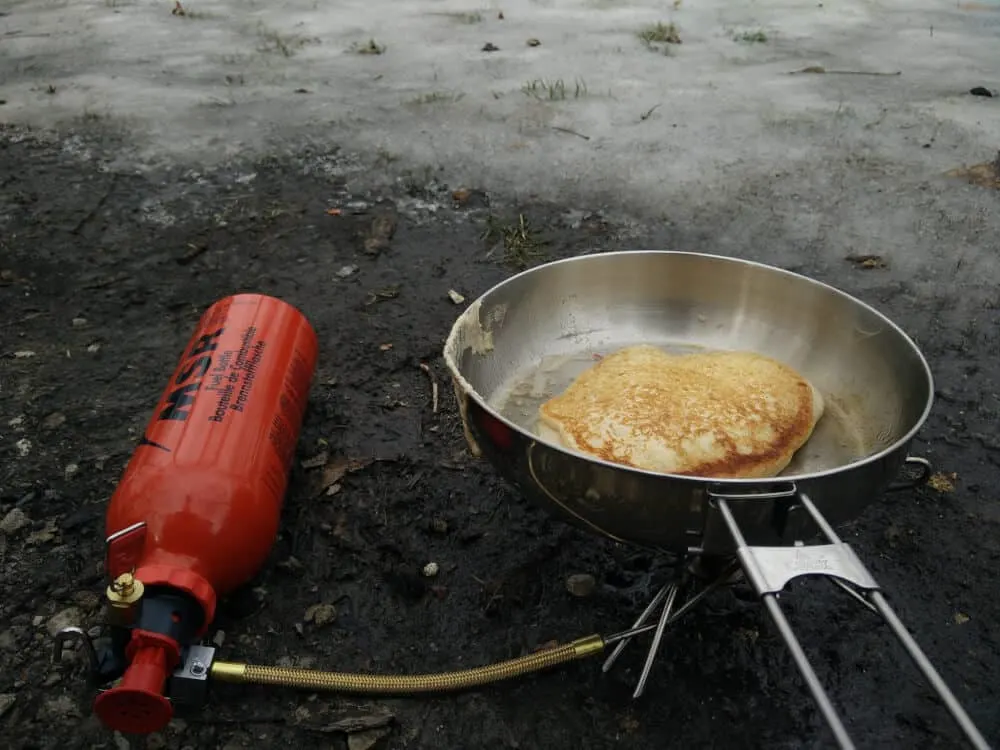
[719, 414]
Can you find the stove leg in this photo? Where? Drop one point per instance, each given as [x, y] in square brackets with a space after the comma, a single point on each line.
[668, 608]
[650, 608]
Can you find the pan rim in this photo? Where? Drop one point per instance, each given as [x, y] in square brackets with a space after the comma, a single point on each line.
[795, 479]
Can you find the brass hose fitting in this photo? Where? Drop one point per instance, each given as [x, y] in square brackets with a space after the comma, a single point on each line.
[410, 684]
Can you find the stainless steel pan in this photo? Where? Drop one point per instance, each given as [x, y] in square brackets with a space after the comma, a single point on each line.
[527, 338]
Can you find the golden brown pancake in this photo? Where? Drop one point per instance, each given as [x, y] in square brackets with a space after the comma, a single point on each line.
[720, 414]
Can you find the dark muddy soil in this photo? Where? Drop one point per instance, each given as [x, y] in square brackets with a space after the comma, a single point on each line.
[104, 275]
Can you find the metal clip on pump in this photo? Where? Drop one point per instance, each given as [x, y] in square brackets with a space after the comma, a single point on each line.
[770, 569]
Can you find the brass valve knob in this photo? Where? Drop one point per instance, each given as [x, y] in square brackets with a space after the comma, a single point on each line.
[123, 595]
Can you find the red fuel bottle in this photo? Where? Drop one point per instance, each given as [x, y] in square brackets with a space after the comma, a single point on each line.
[197, 508]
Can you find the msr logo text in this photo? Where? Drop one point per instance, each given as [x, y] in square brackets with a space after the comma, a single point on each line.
[189, 379]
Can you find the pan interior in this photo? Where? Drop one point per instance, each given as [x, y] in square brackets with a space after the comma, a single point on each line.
[527, 339]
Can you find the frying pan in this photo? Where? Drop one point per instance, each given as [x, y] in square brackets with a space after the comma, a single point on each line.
[527, 338]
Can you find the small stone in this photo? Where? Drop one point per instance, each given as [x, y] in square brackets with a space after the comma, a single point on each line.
[37, 620]
[981, 91]
[439, 526]
[961, 618]
[63, 707]
[79, 322]
[367, 739]
[533, 42]
[320, 614]
[16, 422]
[42, 535]
[14, 521]
[155, 742]
[69, 617]
[316, 461]
[71, 470]
[24, 354]
[455, 297]
[581, 585]
[219, 638]
[23, 447]
[292, 564]
[346, 272]
[94, 348]
[87, 601]
[53, 420]
[6, 703]
[430, 570]
[53, 679]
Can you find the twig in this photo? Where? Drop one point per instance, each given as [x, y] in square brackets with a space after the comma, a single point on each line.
[648, 113]
[821, 69]
[434, 387]
[107, 282]
[571, 132]
[97, 206]
[191, 253]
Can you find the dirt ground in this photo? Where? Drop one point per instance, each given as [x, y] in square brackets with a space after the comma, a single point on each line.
[103, 274]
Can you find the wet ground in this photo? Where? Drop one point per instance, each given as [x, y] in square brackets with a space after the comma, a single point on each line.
[104, 273]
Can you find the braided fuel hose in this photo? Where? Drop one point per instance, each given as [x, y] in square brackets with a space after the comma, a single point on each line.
[312, 679]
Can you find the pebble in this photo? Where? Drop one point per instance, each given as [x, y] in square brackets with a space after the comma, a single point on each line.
[219, 638]
[53, 420]
[79, 322]
[365, 740]
[71, 470]
[6, 702]
[62, 707]
[88, 601]
[581, 584]
[440, 526]
[320, 614]
[291, 564]
[155, 742]
[431, 569]
[69, 617]
[94, 348]
[37, 620]
[347, 271]
[121, 743]
[23, 447]
[14, 521]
